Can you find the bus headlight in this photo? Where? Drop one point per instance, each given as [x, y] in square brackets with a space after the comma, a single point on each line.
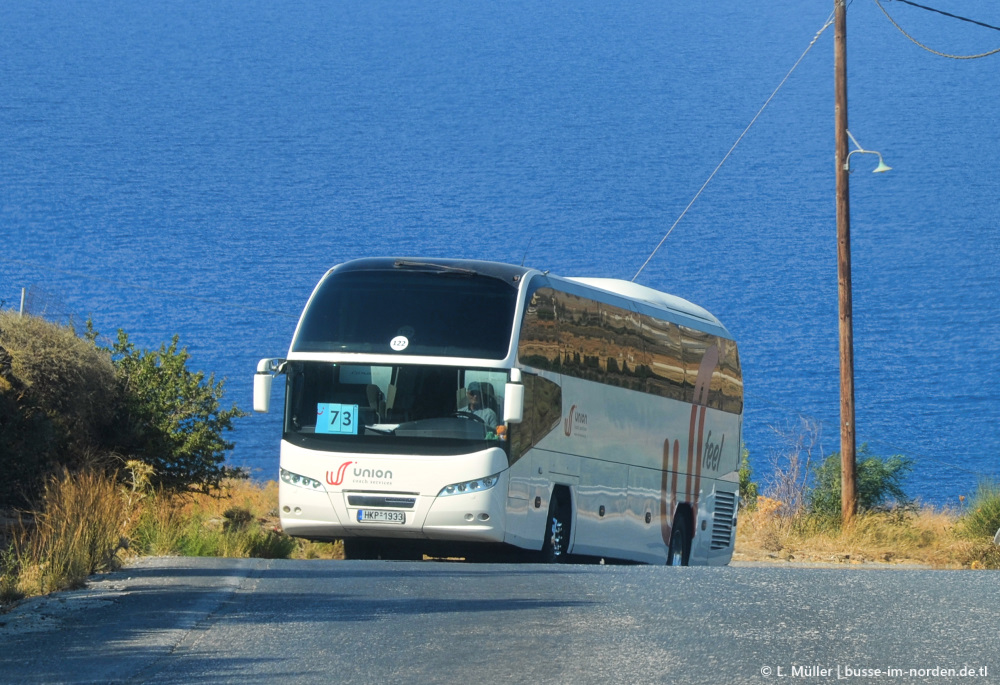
[470, 486]
[301, 481]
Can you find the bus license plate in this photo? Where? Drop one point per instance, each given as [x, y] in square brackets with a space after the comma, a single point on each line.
[380, 516]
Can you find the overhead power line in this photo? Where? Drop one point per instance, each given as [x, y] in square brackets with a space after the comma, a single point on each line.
[932, 50]
[949, 14]
[825, 26]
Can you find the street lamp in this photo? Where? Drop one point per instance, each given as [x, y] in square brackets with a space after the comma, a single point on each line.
[882, 166]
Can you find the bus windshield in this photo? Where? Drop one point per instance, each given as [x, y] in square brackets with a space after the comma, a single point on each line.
[375, 408]
[454, 313]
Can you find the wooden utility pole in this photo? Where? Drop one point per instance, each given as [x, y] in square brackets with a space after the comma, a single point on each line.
[848, 479]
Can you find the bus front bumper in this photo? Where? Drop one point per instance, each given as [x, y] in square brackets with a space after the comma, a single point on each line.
[321, 514]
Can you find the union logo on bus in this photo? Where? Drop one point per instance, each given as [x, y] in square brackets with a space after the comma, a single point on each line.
[575, 423]
[340, 474]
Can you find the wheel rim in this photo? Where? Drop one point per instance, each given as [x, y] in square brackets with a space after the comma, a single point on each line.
[678, 542]
[556, 537]
[676, 555]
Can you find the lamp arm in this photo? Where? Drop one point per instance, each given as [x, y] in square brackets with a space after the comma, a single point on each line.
[882, 166]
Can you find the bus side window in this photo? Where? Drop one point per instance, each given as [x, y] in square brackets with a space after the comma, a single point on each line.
[542, 414]
[730, 378]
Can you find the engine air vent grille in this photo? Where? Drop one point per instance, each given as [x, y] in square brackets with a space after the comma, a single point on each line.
[722, 523]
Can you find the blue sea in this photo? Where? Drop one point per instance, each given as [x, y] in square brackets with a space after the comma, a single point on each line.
[194, 168]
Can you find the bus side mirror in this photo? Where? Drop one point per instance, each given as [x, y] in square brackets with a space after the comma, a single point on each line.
[262, 380]
[513, 403]
[262, 392]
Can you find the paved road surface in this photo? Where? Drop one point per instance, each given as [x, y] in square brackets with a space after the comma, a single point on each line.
[182, 620]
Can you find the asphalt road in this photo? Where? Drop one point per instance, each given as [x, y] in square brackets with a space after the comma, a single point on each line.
[172, 620]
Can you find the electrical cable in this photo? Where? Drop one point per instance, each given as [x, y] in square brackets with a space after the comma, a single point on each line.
[931, 50]
[949, 14]
[826, 25]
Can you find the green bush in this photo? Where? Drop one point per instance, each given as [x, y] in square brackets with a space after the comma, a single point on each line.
[267, 544]
[170, 417]
[879, 483]
[982, 518]
[68, 403]
[10, 574]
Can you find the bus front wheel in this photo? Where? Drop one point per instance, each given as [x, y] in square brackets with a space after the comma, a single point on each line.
[556, 543]
[387, 550]
[360, 548]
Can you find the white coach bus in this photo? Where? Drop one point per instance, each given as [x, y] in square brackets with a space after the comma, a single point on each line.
[459, 407]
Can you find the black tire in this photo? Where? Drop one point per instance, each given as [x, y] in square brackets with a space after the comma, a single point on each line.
[679, 551]
[360, 548]
[555, 547]
[388, 550]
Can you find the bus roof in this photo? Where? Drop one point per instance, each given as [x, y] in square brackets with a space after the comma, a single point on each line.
[657, 298]
[513, 275]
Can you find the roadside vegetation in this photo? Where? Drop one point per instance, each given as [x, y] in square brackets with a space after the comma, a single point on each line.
[90, 522]
[111, 452]
[97, 441]
[68, 402]
[797, 518]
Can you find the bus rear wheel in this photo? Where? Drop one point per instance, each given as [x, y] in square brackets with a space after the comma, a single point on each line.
[679, 552]
[555, 546]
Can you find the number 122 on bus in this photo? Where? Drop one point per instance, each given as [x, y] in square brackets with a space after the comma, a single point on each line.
[468, 408]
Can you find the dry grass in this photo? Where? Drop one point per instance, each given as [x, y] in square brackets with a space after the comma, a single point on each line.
[87, 523]
[925, 536]
[240, 504]
[78, 531]
[241, 520]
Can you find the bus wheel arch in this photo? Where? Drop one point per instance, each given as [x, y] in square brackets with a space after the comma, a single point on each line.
[558, 526]
[681, 535]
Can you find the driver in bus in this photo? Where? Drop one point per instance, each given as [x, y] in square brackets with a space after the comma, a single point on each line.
[479, 405]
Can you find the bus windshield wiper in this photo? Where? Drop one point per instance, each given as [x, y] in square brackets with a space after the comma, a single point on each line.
[381, 429]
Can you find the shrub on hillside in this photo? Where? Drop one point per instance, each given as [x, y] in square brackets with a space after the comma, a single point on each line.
[57, 403]
[68, 403]
[238, 521]
[170, 417]
[879, 483]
